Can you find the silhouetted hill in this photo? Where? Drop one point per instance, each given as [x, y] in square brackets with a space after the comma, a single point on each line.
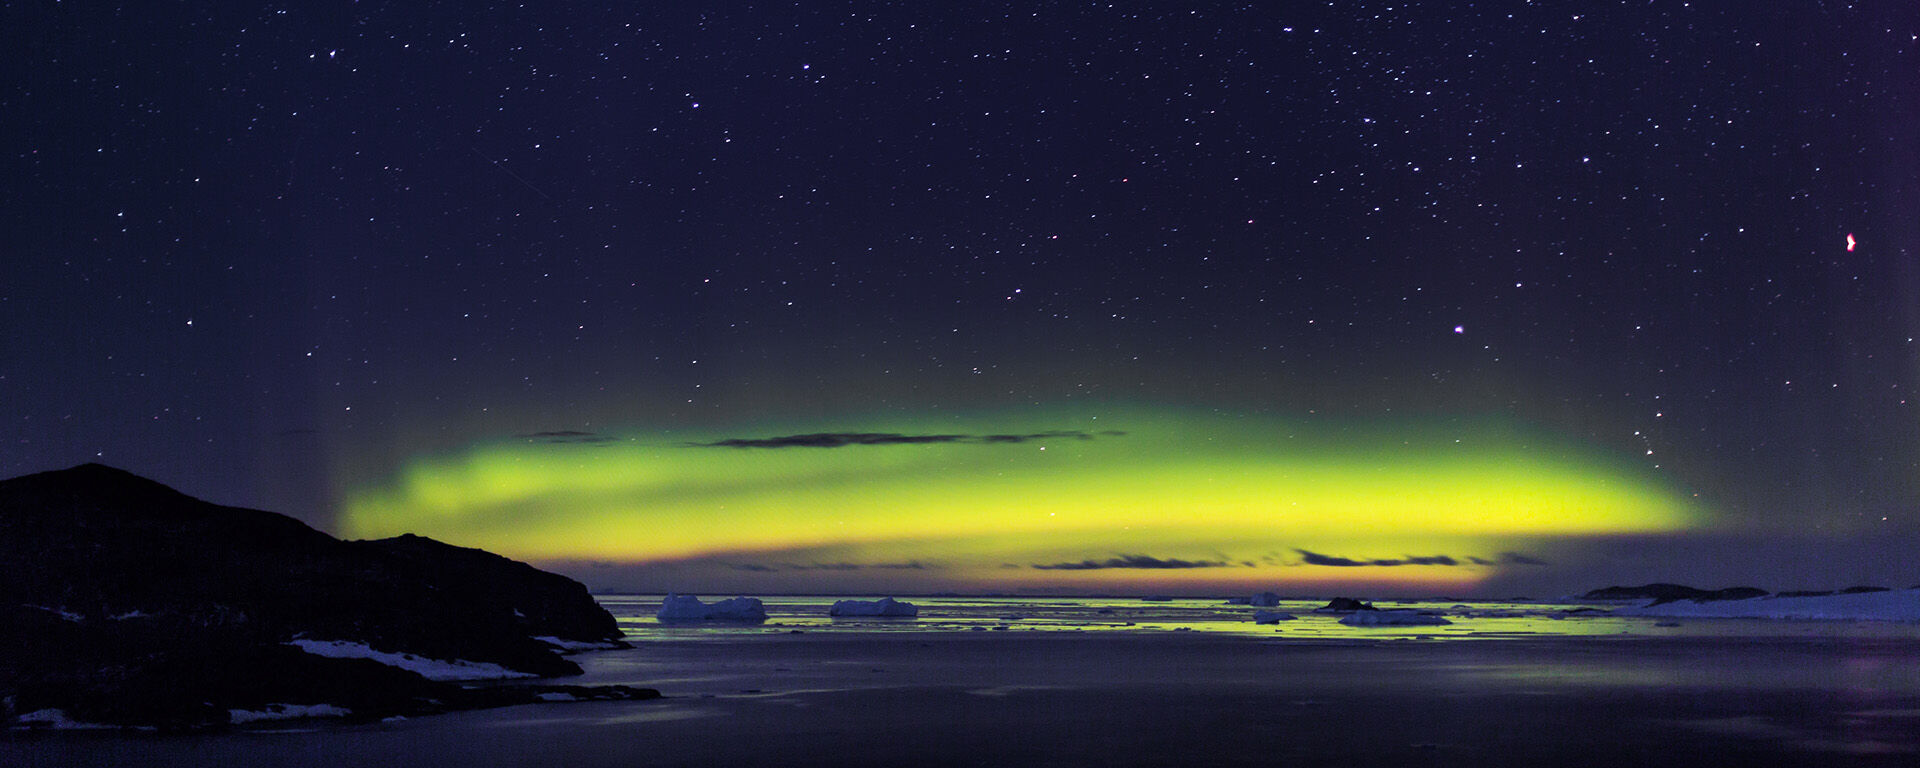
[132, 603]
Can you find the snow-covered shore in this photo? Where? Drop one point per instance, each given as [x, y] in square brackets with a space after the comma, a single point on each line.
[1891, 605]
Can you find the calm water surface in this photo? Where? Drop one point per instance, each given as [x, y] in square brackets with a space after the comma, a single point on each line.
[1471, 620]
[1093, 681]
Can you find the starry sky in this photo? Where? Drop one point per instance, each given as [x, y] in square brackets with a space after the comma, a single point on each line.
[1474, 297]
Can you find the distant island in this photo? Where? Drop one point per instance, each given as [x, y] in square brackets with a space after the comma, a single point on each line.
[126, 603]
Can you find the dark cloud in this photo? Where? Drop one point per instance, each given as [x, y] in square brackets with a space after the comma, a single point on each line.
[1515, 558]
[1506, 558]
[842, 439]
[565, 436]
[910, 565]
[1315, 558]
[1132, 561]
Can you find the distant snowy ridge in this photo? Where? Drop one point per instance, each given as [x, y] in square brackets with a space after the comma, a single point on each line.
[56, 719]
[285, 712]
[431, 669]
[1892, 605]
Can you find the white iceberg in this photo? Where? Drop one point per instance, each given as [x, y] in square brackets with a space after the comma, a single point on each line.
[885, 606]
[1397, 617]
[1891, 605]
[689, 608]
[1271, 617]
[431, 669]
[1264, 600]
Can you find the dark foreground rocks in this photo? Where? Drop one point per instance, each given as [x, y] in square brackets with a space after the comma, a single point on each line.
[124, 602]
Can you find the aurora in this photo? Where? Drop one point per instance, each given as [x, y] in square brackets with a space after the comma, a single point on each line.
[1100, 498]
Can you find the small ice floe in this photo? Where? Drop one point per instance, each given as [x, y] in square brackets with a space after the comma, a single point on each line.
[885, 607]
[431, 669]
[54, 718]
[285, 712]
[1397, 617]
[689, 608]
[1156, 599]
[1271, 617]
[1264, 600]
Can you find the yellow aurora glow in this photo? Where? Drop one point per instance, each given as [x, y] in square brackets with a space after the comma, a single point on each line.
[1244, 493]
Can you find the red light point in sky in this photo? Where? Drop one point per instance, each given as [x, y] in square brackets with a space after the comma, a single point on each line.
[1850, 242]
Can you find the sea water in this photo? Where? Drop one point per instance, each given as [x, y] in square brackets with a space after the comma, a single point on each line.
[1476, 620]
[1122, 681]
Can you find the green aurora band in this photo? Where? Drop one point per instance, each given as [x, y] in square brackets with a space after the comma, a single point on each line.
[1061, 485]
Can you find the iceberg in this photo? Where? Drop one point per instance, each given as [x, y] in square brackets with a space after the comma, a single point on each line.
[1264, 600]
[689, 608]
[1271, 617]
[1397, 617]
[885, 606]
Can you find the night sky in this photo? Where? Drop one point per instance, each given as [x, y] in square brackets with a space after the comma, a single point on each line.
[1475, 297]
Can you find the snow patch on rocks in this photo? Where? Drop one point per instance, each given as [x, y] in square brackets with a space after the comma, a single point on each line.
[571, 646]
[431, 669]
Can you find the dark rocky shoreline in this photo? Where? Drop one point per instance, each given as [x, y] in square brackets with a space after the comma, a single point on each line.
[127, 603]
